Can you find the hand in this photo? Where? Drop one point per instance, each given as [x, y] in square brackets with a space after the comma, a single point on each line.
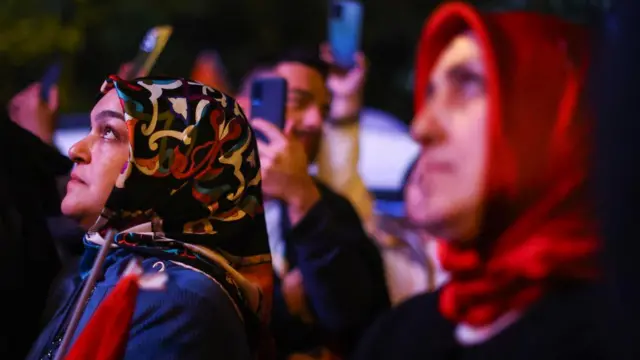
[347, 86]
[28, 110]
[295, 297]
[284, 167]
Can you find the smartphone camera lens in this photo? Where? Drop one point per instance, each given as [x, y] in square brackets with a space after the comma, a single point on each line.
[336, 10]
[256, 93]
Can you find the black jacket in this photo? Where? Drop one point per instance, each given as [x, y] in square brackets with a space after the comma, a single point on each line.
[564, 325]
[343, 278]
[28, 258]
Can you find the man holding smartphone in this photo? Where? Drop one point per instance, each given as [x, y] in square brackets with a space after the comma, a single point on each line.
[329, 277]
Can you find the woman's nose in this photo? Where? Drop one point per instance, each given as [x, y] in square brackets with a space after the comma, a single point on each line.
[80, 152]
[426, 128]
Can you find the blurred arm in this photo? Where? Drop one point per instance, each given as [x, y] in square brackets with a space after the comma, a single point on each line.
[338, 166]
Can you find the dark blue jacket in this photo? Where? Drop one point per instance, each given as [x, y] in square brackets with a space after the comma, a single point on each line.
[193, 318]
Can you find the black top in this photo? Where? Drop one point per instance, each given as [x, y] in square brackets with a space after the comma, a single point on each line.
[28, 258]
[343, 279]
[564, 325]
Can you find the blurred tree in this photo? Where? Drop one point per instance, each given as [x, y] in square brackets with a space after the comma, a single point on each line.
[29, 30]
[96, 36]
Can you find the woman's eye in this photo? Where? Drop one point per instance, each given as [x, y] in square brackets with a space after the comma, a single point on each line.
[109, 134]
[431, 88]
[470, 84]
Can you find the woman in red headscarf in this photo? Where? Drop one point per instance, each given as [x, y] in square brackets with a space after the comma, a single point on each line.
[501, 180]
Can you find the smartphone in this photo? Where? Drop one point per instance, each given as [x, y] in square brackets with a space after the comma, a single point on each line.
[150, 49]
[73, 127]
[269, 101]
[50, 78]
[345, 27]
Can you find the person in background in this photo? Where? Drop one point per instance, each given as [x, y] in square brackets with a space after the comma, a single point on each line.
[172, 166]
[337, 161]
[329, 280]
[410, 256]
[501, 179]
[411, 265]
[614, 78]
[28, 196]
[409, 259]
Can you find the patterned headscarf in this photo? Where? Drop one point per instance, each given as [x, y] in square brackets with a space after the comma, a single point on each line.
[190, 191]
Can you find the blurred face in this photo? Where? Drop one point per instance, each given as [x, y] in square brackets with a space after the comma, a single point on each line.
[307, 104]
[99, 158]
[445, 191]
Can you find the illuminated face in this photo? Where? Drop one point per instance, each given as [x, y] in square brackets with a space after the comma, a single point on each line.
[445, 192]
[308, 103]
[99, 157]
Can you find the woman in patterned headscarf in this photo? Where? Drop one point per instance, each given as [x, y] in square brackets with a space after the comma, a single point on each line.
[173, 165]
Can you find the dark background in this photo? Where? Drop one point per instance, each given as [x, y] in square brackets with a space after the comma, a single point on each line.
[95, 36]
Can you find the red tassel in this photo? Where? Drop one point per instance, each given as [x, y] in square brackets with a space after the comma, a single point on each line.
[105, 336]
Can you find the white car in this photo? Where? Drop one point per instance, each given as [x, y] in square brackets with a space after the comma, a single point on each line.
[387, 152]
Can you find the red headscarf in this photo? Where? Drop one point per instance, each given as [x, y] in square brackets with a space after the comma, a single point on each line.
[538, 228]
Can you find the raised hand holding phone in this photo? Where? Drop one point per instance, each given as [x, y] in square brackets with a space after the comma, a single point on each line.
[344, 31]
[49, 80]
[283, 160]
[346, 86]
[150, 49]
[32, 113]
[284, 168]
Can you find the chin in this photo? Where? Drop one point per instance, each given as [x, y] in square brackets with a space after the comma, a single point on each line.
[66, 206]
[439, 222]
[311, 146]
[423, 216]
[434, 226]
[70, 206]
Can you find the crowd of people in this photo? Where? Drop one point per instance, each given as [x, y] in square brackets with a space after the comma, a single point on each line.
[229, 246]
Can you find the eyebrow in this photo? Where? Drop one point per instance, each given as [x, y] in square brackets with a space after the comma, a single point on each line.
[460, 69]
[106, 114]
[304, 94]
